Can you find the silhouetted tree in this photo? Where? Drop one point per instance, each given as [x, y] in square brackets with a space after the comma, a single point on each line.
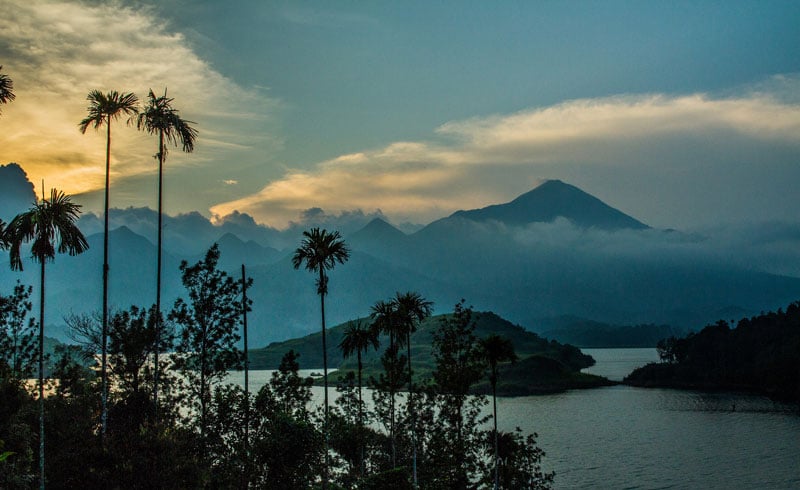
[457, 357]
[412, 309]
[209, 325]
[6, 89]
[320, 251]
[159, 118]
[18, 336]
[386, 320]
[50, 225]
[358, 338]
[495, 349]
[104, 108]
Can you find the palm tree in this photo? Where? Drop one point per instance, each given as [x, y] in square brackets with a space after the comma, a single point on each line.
[6, 88]
[494, 350]
[3, 238]
[321, 250]
[386, 320]
[412, 309]
[104, 108]
[160, 118]
[358, 338]
[46, 223]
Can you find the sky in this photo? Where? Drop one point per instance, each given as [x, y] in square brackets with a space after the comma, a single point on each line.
[681, 114]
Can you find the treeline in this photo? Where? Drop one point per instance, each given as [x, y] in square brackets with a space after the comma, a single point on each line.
[204, 433]
[761, 354]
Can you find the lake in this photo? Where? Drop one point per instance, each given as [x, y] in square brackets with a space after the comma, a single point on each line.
[634, 438]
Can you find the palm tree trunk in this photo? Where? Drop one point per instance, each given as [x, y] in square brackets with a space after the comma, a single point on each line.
[391, 394]
[41, 380]
[104, 340]
[158, 272]
[360, 413]
[246, 384]
[411, 412]
[323, 289]
[494, 409]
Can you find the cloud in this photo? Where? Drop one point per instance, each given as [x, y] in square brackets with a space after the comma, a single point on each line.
[485, 160]
[57, 51]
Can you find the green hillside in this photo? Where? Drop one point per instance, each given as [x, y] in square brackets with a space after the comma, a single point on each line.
[544, 366]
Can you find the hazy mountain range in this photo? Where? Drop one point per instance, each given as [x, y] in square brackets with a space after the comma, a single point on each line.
[555, 251]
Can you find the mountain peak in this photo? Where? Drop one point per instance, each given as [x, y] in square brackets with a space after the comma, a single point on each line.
[378, 228]
[553, 199]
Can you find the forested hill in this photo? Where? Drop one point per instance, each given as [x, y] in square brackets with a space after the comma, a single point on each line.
[762, 354]
[526, 343]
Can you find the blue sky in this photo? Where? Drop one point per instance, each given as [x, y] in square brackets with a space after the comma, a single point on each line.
[682, 114]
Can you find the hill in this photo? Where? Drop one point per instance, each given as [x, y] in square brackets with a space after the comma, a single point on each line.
[557, 365]
[759, 355]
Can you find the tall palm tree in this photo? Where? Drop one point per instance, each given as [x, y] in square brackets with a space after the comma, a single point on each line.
[104, 108]
[6, 89]
[159, 118]
[386, 320]
[358, 338]
[494, 350]
[412, 309]
[46, 223]
[320, 251]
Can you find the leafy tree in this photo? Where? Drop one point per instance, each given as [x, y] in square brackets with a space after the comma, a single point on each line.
[18, 337]
[287, 449]
[320, 250]
[209, 324]
[519, 462]
[454, 441]
[159, 118]
[495, 349]
[46, 223]
[6, 89]
[131, 344]
[104, 108]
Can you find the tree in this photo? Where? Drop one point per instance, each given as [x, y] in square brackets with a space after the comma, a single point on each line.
[386, 320]
[104, 108]
[18, 337]
[209, 325]
[358, 338]
[45, 224]
[457, 359]
[3, 238]
[159, 118]
[6, 88]
[320, 251]
[412, 309]
[494, 350]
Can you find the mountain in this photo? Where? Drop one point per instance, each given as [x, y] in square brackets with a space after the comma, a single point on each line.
[551, 200]
[591, 262]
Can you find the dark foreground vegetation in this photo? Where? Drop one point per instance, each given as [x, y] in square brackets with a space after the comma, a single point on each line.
[204, 433]
[760, 355]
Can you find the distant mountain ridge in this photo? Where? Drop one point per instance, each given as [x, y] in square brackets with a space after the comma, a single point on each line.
[553, 251]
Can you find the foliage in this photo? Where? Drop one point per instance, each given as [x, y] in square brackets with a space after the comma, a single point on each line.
[759, 354]
[48, 223]
[208, 327]
[6, 88]
[18, 336]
